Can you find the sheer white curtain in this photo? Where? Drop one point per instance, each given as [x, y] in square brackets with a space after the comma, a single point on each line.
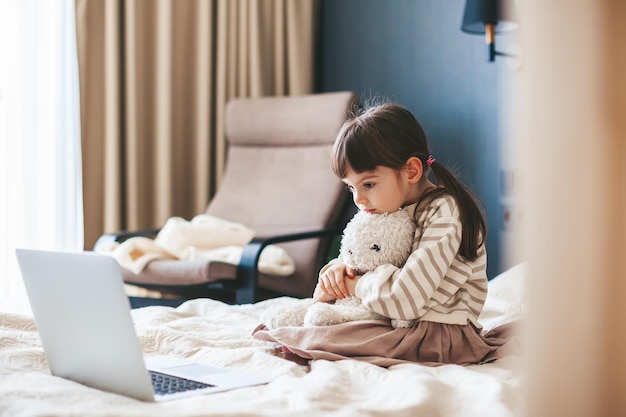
[40, 174]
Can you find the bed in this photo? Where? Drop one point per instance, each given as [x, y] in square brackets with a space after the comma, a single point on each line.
[220, 334]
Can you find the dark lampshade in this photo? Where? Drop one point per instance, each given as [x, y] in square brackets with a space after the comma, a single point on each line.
[480, 12]
[489, 17]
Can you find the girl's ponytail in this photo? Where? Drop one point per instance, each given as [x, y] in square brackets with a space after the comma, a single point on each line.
[474, 227]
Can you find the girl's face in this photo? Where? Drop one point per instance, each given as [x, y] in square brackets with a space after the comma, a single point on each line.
[382, 190]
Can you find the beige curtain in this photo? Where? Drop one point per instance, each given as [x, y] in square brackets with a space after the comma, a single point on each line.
[154, 78]
[572, 136]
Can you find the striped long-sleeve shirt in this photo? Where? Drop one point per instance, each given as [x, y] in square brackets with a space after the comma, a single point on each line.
[436, 283]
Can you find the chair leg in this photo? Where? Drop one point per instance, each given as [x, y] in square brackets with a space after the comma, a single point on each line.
[247, 273]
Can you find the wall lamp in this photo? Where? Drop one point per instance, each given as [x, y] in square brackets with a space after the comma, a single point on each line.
[489, 17]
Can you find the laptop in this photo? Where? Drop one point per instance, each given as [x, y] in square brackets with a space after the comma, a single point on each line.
[86, 329]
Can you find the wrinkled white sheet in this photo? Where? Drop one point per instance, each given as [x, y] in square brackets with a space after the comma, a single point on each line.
[218, 334]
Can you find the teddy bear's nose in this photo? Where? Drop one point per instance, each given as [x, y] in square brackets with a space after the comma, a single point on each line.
[350, 251]
[375, 247]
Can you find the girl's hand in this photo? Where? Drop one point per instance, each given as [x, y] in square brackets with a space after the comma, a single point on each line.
[332, 281]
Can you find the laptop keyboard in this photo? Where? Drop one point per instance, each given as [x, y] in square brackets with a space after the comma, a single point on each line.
[168, 384]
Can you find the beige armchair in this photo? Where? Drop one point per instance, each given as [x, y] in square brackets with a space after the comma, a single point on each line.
[278, 182]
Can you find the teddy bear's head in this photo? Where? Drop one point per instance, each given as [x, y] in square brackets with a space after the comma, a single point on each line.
[370, 240]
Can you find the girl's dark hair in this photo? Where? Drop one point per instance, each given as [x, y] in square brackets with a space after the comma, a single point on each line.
[388, 135]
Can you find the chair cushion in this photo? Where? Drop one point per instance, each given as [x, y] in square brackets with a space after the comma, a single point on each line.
[186, 272]
[282, 121]
[276, 190]
[159, 274]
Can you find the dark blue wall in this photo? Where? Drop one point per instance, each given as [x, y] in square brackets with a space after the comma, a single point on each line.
[414, 52]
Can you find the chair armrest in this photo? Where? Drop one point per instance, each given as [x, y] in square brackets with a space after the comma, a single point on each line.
[122, 236]
[247, 271]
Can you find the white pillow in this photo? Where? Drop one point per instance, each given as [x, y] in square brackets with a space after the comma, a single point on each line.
[505, 298]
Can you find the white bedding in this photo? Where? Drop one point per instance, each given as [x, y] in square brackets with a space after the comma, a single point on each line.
[218, 334]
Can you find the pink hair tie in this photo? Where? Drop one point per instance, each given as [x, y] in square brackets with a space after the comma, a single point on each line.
[430, 160]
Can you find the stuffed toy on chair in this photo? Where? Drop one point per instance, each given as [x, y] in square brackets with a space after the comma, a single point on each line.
[369, 240]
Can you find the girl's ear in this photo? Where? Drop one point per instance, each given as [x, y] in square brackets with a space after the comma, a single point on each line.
[414, 169]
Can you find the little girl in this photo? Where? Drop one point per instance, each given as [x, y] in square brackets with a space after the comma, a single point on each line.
[382, 155]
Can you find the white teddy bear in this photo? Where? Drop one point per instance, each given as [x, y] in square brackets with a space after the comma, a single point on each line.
[369, 240]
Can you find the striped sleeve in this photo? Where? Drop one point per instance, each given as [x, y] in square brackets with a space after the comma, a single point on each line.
[408, 293]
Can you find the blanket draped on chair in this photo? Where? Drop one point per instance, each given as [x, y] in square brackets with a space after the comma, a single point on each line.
[204, 237]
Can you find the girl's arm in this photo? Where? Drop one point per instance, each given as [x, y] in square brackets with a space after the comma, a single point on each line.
[403, 293]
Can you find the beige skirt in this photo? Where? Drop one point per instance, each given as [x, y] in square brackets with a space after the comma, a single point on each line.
[376, 342]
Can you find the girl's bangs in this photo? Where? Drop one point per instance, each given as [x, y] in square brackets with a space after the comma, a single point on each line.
[350, 152]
